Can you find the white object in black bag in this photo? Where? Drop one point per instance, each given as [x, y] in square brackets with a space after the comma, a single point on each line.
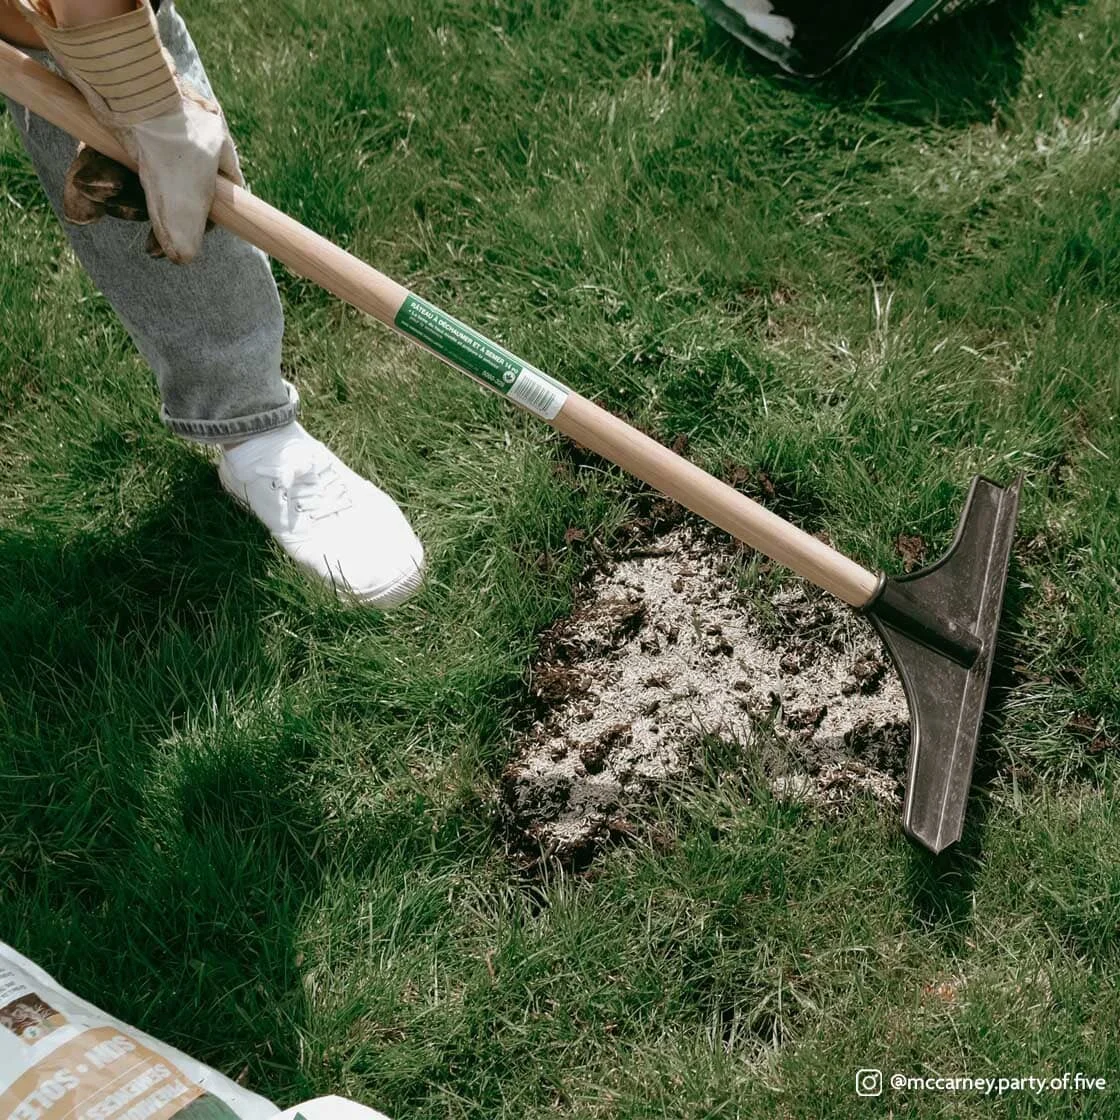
[808, 37]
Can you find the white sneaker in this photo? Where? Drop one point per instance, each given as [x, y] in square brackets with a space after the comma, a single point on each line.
[329, 520]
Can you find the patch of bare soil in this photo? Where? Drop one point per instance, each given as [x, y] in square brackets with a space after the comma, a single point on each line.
[663, 650]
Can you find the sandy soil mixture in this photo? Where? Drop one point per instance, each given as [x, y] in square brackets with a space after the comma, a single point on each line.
[665, 648]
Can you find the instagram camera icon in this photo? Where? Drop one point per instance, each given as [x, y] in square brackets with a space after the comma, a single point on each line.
[869, 1083]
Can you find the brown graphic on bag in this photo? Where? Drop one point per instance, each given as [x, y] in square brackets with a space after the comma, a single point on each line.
[30, 1018]
[101, 1073]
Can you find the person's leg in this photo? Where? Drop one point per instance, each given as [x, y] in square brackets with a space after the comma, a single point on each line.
[211, 330]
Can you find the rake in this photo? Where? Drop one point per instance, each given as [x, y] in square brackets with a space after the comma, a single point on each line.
[940, 623]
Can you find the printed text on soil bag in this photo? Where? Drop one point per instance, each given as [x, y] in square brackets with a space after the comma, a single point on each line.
[100, 1075]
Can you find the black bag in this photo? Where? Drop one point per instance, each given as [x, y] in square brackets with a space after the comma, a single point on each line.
[809, 37]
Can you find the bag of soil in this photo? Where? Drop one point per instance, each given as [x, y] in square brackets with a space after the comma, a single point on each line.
[809, 38]
[61, 1058]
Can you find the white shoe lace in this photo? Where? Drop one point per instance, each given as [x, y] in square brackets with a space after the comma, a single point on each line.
[309, 484]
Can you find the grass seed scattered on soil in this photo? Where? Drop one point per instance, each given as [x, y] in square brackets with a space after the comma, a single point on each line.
[665, 649]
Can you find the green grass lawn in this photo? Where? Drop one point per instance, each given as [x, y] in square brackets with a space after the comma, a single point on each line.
[262, 827]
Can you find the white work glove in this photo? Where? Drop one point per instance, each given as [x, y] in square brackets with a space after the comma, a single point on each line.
[177, 137]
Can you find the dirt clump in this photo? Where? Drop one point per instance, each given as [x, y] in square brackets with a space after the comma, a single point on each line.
[665, 648]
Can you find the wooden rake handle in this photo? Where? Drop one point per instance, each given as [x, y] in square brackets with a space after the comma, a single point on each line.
[313, 257]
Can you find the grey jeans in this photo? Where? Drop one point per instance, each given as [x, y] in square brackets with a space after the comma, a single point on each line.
[211, 330]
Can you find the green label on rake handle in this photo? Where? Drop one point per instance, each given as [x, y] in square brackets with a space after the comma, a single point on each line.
[475, 354]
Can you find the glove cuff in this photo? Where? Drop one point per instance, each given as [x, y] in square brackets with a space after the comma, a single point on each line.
[119, 64]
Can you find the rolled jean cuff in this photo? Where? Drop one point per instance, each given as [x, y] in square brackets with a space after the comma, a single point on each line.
[238, 427]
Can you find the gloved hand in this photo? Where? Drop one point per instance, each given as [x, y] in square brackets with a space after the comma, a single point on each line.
[177, 137]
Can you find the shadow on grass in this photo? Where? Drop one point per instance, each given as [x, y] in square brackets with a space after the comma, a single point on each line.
[956, 72]
[156, 845]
